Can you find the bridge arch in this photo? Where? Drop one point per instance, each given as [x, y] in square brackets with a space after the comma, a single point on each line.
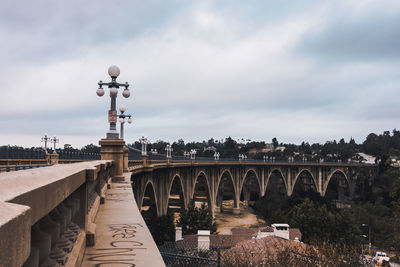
[226, 182]
[248, 179]
[201, 181]
[282, 176]
[175, 182]
[301, 171]
[149, 202]
[329, 178]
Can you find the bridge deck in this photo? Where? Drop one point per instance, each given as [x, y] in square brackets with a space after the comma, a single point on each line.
[122, 237]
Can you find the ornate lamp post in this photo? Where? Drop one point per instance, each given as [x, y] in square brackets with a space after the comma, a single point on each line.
[45, 139]
[144, 141]
[114, 72]
[186, 154]
[122, 117]
[193, 153]
[54, 140]
[216, 156]
[169, 149]
[242, 157]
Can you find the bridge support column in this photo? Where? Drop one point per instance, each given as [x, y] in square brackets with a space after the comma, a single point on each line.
[320, 185]
[126, 151]
[113, 149]
[289, 182]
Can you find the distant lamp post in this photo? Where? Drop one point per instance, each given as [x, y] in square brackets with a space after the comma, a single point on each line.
[169, 149]
[44, 140]
[114, 72]
[144, 141]
[122, 117]
[186, 154]
[54, 140]
[369, 237]
[216, 155]
[193, 153]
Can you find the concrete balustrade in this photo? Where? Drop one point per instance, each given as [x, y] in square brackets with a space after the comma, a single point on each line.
[47, 214]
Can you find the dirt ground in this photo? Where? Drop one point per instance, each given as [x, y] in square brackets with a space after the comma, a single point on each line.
[247, 218]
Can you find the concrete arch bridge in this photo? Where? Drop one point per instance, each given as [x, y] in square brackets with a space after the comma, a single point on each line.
[161, 186]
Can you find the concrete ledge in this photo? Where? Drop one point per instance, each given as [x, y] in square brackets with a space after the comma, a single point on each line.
[45, 188]
[15, 234]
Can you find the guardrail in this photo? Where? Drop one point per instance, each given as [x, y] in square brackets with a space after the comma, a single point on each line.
[201, 161]
[47, 214]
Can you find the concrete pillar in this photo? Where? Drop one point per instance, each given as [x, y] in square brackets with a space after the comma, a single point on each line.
[320, 185]
[289, 182]
[145, 159]
[178, 233]
[113, 149]
[126, 159]
[203, 242]
[52, 159]
[263, 182]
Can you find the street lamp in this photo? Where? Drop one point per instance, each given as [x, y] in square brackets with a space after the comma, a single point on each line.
[369, 237]
[216, 155]
[169, 149]
[186, 154]
[114, 72]
[54, 140]
[144, 141]
[45, 139]
[122, 117]
[193, 153]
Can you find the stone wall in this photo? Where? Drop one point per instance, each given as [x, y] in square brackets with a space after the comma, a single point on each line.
[47, 214]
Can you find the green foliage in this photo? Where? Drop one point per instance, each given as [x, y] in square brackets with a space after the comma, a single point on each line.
[195, 219]
[163, 229]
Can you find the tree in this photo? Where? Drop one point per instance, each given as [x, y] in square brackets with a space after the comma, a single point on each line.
[195, 219]
[162, 229]
[275, 142]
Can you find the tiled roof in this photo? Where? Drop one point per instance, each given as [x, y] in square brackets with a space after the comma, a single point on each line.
[293, 233]
[258, 249]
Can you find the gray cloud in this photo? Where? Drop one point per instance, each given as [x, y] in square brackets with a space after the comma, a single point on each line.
[297, 71]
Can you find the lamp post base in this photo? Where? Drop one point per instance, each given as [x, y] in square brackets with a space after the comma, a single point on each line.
[112, 135]
[112, 149]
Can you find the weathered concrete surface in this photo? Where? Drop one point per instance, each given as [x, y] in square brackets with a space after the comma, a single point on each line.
[43, 189]
[15, 233]
[122, 237]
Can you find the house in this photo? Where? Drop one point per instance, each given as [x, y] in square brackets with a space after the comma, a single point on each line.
[203, 240]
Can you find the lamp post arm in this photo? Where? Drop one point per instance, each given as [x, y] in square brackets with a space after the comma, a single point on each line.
[113, 84]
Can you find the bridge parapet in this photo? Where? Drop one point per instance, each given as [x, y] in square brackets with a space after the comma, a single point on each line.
[47, 214]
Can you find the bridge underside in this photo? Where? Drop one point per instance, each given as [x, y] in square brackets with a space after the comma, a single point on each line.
[224, 187]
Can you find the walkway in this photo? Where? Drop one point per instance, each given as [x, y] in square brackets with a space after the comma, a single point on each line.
[122, 237]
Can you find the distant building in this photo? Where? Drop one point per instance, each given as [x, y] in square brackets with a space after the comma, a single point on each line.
[203, 239]
[210, 148]
[365, 158]
[280, 148]
[268, 148]
[395, 161]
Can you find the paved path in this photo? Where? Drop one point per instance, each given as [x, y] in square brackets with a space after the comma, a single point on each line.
[122, 237]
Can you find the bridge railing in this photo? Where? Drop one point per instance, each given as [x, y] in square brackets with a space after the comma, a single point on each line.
[184, 160]
[47, 214]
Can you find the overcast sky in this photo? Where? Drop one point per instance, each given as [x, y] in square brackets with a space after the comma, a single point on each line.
[295, 70]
